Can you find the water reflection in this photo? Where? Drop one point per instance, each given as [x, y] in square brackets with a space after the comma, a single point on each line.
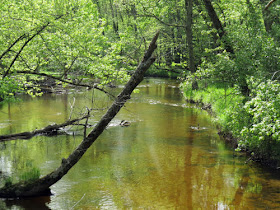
[28, 203]
[159, 162]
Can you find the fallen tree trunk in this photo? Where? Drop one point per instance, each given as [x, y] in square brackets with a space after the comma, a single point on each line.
[48, 131]
[42, 186]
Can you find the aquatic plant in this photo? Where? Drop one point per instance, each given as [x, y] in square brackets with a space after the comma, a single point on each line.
[31, 174]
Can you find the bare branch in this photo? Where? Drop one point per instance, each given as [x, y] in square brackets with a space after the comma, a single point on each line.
[42, 186]
[86, 123]
[45, 131]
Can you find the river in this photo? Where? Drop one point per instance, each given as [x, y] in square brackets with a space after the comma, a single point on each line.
[170, 157]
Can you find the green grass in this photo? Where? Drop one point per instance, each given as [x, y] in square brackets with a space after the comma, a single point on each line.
[222, 101]
[253, 120]
[30, 175]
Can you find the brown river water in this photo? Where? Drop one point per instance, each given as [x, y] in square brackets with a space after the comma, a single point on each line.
[170, 157]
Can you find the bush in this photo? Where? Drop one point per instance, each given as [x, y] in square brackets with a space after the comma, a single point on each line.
[254, 121]
[8, 88]
[261, 132]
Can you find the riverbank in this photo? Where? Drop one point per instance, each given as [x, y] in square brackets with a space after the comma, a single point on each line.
[250, 124]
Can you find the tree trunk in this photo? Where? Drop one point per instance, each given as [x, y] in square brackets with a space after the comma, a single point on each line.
[222, 33]
[178, 38]
[189, 9]
[217, 24]
[114, 19]
[42, 185]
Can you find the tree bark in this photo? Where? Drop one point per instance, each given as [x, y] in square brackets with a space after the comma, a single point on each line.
[42, 185]
[189, 9]
[114, 19]
[268, 18]
[217, 24]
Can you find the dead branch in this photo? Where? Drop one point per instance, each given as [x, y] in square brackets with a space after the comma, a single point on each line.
[49, 130]
[42, 186]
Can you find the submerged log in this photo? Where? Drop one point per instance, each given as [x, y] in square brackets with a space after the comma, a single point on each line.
[42, 186]
[47, 131]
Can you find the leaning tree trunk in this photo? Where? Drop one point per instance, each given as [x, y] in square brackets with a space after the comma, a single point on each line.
[217, 24]
[222, 33]
[42, 185]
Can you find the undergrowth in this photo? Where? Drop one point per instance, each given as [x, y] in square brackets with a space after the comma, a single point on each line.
[253, 120]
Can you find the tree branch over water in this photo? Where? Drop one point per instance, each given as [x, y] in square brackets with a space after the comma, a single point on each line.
[42, 186]
[30, 38]
[95, 86]
[49, 130]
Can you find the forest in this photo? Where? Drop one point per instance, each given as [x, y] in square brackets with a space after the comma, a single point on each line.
[226, 55]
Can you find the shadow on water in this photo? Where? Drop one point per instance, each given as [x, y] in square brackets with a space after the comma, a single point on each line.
[170, 157]
[28, 203]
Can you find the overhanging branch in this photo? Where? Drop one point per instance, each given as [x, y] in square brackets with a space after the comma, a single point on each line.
[95, 86]
[25, 44]
[42, 186]
[50, 129]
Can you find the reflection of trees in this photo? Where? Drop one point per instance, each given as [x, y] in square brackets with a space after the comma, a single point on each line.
[242, 186]
[31, 203]
[65, 106]
[145, 166]
[10, 118]
[188, 165]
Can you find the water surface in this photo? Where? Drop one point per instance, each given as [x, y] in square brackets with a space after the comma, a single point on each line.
[169, 158]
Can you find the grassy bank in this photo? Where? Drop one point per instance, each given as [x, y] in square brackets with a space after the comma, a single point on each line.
[254, 121]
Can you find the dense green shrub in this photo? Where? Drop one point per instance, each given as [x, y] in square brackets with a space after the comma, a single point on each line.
[253, 120]
[260, 120]
[8, 88]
